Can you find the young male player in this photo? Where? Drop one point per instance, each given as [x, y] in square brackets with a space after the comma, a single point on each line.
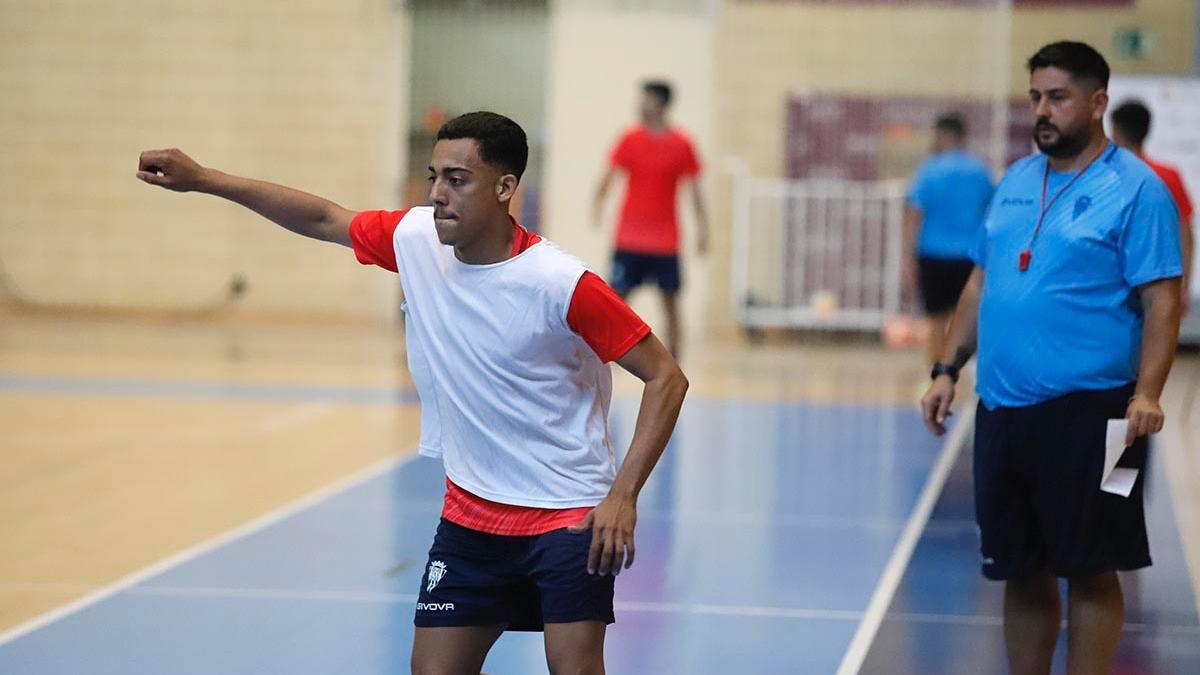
[656, 159]
[1075, 300]
[508, 339]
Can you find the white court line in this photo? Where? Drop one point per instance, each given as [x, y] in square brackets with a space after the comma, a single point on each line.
[893, 572]
[631, 606]
[240, 532]
[376, 597]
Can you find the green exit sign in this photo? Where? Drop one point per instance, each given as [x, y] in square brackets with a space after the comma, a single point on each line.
[1133, 43]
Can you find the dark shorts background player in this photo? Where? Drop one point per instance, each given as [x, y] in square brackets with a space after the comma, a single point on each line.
[946, 204]
[1074, 306]
[504, 331]
[655, 158]
[1130, 127]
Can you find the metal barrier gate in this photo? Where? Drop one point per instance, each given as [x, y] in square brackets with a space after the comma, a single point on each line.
[816, 253]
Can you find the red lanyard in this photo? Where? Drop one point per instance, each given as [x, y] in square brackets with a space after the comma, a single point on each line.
[1027, 254]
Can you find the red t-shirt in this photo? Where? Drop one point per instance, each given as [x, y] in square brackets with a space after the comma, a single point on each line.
[655, 163]
[596, 314]
[1174, 181]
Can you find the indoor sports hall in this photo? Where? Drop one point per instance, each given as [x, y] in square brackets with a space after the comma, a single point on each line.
[209, 429]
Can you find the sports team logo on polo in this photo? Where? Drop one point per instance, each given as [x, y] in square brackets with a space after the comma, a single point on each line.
[1081, 205]
[437, 570]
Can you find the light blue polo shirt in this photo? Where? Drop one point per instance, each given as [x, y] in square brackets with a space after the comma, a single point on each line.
[1073, 321]
[952, 189]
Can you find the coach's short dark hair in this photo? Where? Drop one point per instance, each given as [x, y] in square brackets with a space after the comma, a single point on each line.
[659, 88]
[951, 123]
[1133, 119]
[1082, 61]
[502, 142]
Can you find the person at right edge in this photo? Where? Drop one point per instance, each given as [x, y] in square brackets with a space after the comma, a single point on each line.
[1074, 305]
[1130, 126]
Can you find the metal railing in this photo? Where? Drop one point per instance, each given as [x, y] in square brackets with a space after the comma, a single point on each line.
[816, 253]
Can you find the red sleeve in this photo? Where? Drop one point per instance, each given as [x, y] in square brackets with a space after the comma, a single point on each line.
[371, 235]
[599, 316]
[622, 153]
[1179, 192]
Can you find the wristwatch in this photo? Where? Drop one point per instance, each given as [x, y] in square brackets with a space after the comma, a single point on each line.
[940, 369]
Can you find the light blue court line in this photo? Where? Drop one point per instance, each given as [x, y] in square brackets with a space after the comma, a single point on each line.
[767, 528]
[201, 390]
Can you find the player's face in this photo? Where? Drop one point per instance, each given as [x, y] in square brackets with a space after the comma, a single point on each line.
[652, 108]
[464, 190]
[1063, 111]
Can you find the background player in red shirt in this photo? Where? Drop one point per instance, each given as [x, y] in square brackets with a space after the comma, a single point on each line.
[1130, 126]
[655, 158]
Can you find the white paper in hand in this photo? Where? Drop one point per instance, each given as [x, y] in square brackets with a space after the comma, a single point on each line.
[1118, 481]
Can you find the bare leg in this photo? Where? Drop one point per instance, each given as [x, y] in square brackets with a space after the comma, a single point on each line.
[671, 310]
[1095, 616]
[458, 650]
[938, 323]
[1032, 616]
[575, 648]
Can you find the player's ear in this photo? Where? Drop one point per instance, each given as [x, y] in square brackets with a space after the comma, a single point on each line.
[1099, 103]
[506, 187]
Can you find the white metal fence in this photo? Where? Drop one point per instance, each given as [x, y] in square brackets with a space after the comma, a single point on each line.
[816, 253]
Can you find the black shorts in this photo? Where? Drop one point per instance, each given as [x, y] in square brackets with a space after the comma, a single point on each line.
[630, 270]
[941, 281]
[1037, 489]
[479, 579]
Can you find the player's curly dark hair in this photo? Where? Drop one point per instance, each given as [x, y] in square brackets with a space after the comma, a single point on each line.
[502, 142]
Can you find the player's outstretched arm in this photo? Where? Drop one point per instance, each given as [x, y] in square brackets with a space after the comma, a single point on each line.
[613, 521]
[297, 211]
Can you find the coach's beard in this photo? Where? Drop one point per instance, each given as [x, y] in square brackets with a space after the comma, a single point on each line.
[1064, 146]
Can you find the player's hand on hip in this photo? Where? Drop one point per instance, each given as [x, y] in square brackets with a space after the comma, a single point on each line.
[612, 523]
[1145, 417]
[935, 405]
[170, 169]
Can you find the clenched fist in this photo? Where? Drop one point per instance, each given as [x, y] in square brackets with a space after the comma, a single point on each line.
[170, 169]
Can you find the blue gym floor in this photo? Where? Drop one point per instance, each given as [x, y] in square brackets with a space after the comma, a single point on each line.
[761, 540]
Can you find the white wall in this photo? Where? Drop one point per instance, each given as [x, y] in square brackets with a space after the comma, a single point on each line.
[598, 58]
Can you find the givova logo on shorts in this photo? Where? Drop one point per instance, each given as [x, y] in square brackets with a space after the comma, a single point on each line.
[437, 570]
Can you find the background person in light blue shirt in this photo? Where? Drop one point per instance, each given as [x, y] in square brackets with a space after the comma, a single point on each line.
[944, 211]
[1075, 302]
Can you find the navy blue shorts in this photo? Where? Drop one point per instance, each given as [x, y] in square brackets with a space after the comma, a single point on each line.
[478, 579]
[941, 281]
[631, 270]
[1037, 489]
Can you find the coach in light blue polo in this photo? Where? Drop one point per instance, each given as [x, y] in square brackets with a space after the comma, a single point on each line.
[1074, 307]
[1072, 320]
